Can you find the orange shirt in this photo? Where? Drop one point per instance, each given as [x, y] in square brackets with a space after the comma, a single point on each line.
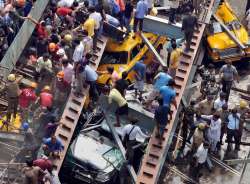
[121, 4]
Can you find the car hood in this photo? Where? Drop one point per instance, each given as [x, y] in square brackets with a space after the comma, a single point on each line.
[223, 41]
[91, 151]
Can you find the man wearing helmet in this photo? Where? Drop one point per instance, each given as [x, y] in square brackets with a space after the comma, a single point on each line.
[13, 92]
[27, 96]
[61, 88]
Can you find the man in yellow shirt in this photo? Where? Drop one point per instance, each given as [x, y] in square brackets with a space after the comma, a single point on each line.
[89, 26]
[115, 96]
[174, 60]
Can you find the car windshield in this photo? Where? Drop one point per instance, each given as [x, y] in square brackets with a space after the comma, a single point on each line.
[114, 58]
[114, 157]
[93, 156]
[216, 27]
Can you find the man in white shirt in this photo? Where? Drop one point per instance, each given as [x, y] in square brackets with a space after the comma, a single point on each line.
[68, 71]
[201, 159]
[130, 132]
[214, 129]
[65, 3]
[44, 63]
[78, 52]
[98, 21]
[96, 16]
[219, 102]
[134, 133]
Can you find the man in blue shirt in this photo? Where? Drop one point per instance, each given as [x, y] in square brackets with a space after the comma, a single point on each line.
[234, 127]
[168, 93]
[141, 11]
[90, 77]
[140, 73]
[161, 118]
[53, 146]
[161, 79]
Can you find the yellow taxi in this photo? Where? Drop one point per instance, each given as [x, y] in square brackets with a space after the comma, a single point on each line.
[220, 46]
[123, 56]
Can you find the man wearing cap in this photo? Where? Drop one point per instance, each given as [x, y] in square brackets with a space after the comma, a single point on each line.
[29, 139]
[228, 74]
[61, 88]
[46, 98]
[26, 99]
[13, 92]
[198, 136]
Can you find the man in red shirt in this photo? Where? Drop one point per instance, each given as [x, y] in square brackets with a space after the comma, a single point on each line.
[44, 163]
[41, 30]
[40, 27]
[26, 98]
[63, 11]
[46, 98]
[46, 101]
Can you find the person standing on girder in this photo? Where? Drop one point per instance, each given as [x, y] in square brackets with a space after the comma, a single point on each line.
[189, 24]
[140, 12]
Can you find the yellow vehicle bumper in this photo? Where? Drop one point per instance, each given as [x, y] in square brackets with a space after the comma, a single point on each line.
[232, 54]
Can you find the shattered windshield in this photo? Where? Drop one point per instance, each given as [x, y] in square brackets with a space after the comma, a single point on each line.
[114, 157]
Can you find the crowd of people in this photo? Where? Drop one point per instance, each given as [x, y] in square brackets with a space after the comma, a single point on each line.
[61, 52]
[11, 19]
[208, 118]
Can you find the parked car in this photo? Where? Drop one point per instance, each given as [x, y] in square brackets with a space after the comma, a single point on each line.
[93, 156]
[220, 46]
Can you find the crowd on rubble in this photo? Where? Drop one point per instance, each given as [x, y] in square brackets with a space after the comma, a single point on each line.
[61, 52]
[209, 122]
[11, 19]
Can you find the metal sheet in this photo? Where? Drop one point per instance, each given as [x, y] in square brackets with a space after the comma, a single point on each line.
[162, 26]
